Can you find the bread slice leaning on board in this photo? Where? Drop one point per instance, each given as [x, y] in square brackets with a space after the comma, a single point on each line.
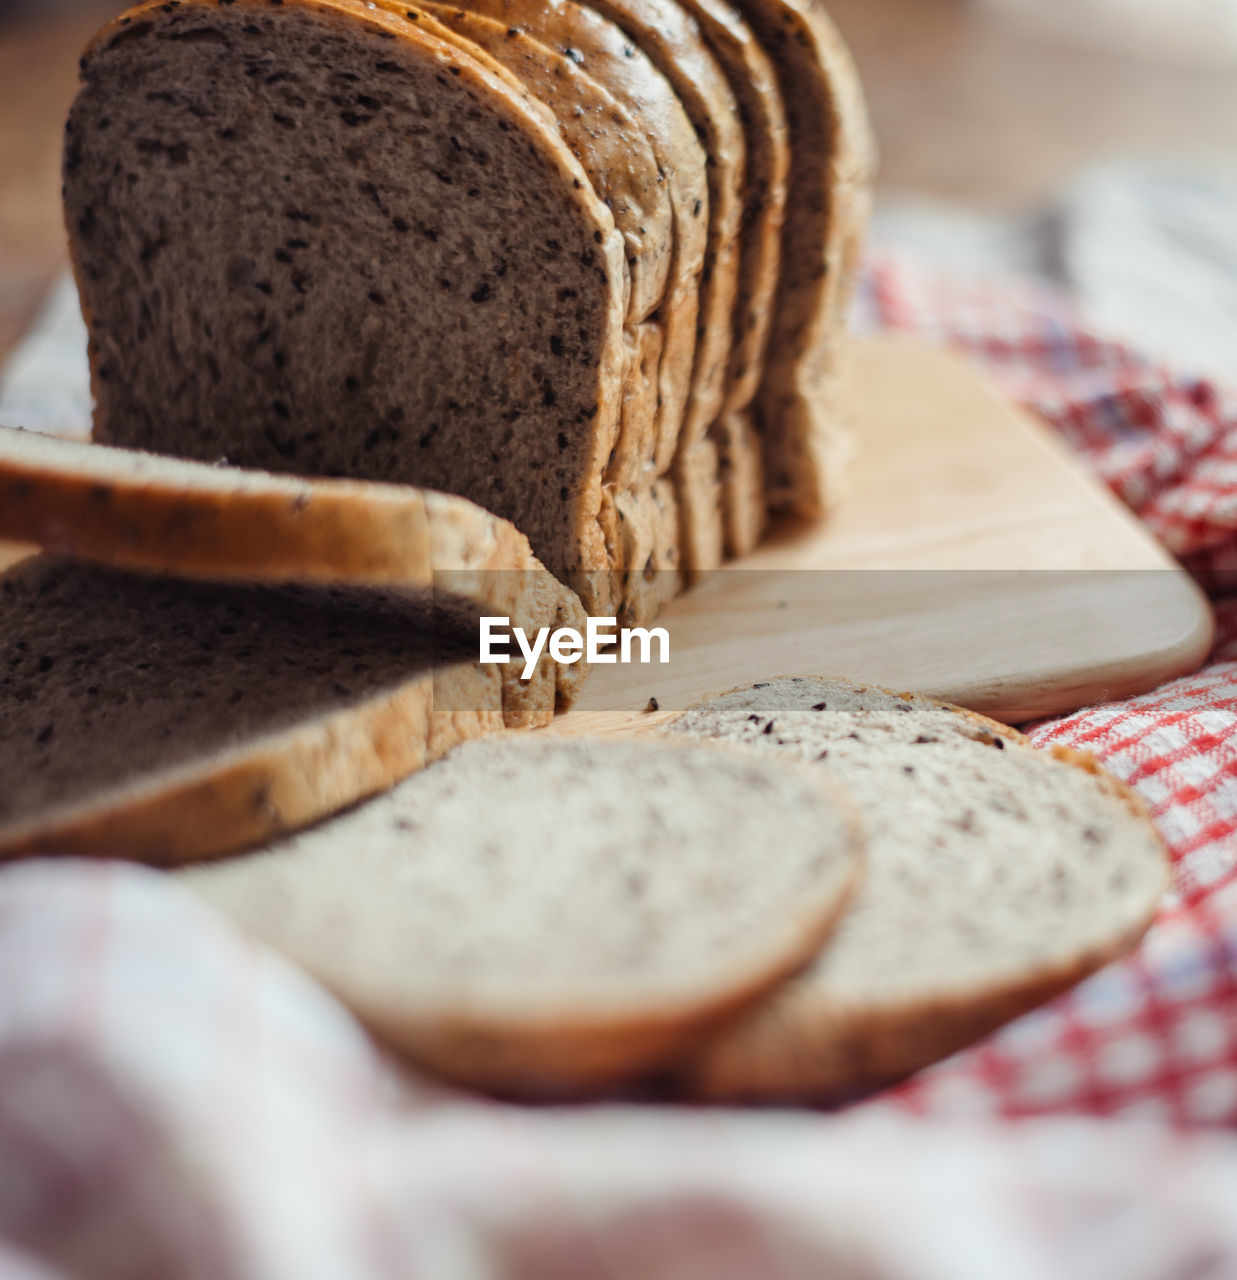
[224, 656]
[437, 277]
[997, 875]
[164, 720]
[557, 938]
[442, 557]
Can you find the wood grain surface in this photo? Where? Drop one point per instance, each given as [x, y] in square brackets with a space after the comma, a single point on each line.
[973, 558]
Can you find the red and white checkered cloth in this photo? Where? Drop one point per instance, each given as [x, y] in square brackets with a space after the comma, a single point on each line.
[176, 1102]
[1155, 1036]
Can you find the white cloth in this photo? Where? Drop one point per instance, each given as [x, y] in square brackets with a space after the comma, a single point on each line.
[176, 1103]
[1148, 255]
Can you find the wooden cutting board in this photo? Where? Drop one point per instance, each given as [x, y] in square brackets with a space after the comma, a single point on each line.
[972, 558]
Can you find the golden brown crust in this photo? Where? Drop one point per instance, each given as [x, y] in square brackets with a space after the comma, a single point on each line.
[854, 1050]
[326, 531]
[61, 496]
[276, 784]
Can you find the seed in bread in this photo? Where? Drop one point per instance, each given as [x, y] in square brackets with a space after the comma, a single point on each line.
[548, 916]
[997, 876]
[163, 721]
[424, 288]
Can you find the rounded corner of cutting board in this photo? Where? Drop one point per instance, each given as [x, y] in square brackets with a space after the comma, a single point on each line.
[973, 558]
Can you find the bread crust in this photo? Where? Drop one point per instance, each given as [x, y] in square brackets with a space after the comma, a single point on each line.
[847, 1052]
[275, 784]
[188, 519]
[832, 169]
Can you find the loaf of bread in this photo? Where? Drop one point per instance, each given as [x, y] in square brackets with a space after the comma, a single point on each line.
[545, 916]
[579, 263]
[997, 875]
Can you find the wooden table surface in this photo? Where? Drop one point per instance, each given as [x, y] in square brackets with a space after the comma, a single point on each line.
[968, 109]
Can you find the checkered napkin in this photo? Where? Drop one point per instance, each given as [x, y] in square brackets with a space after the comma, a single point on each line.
[177, 1102]
[1155, 1036]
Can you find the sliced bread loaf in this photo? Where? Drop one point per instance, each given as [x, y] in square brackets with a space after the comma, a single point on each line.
[620, 163]
[609, 56]
[187, 519]
[753, 81]
[546, 916]
[166, 720]
[423, 287]
[997, 875]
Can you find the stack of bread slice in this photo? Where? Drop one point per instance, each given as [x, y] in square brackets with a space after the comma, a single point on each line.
[548, 915]
[582, 263]
[205, 658]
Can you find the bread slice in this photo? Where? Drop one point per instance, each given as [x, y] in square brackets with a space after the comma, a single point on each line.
[186, 519]
[833, 159]
[165, 720]
[621, 165]
[423, 286]
[601, 906]
[662, 30]
[753, 82]
[997, 876]
[606, 53]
